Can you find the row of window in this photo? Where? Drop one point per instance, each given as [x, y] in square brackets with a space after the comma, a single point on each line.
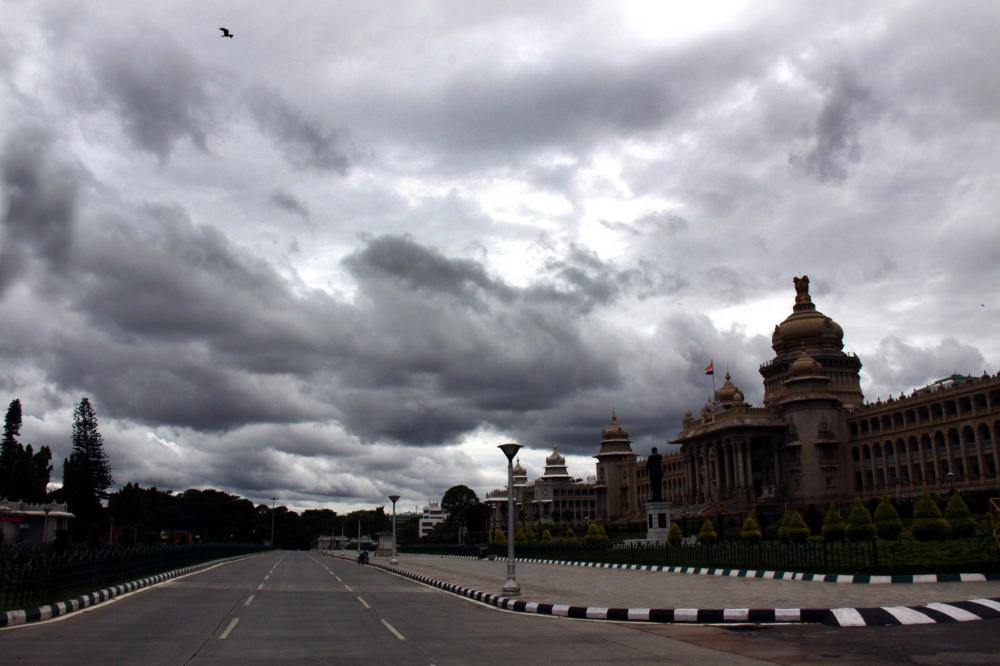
[936, 411]
[952, 440]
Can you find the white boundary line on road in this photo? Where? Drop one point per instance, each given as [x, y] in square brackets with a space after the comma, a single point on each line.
[126, 595]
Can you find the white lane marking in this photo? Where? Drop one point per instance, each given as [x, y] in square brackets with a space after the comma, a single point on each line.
[393, 630]
[249, 599]
[363, 602]
[348, 587]
[267, 576]
[261, 586]
[232, 625]
[339, 580]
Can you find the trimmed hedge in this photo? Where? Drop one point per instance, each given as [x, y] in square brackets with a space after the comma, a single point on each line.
[707, 533]
[834, 527]
[928, 523]
[859, 522]
[751, 529]
[959, 517]
[887, 522]
[675, 536]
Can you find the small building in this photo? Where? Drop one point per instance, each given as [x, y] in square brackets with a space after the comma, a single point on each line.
[432, 516]
[31, 524]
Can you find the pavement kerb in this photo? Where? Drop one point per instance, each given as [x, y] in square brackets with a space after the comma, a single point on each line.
[959, 611]
[852, 579]
[16, 618]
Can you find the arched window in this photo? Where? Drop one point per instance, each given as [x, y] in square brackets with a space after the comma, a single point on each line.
[855, 454]
[968, 436]
[866, 452]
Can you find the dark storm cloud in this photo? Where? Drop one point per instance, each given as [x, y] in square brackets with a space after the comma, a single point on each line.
[305, 142]
[159, 91]
[41, 189]
[413, 266]
[287, 201]
[835, 142]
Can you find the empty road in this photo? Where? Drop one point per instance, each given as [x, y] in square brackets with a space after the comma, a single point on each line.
[303, 607]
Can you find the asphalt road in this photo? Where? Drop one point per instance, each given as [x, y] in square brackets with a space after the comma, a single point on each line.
[299, 607]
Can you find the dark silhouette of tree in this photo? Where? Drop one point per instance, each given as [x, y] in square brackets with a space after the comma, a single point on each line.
[24, 474]
[456, 503]
[9, 448]
[87, 472]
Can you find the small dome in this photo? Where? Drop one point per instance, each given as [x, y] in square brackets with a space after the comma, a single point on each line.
[805, 365]
[555, 458]
[518, 470]
[728, 393]
[614, 431]
[806, 326]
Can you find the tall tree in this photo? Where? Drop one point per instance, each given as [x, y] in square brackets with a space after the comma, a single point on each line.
[9, 448]
[456, 502]
[24, 474]
[87, 472]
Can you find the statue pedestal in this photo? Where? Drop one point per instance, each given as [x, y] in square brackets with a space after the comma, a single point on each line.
[657, 521]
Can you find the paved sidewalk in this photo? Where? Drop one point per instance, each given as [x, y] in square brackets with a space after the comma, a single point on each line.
[621, 588]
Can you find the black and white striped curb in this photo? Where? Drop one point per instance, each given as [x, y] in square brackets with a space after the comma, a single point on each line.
[49, 611]
[956, 611]
[953, 611]
[866, 579]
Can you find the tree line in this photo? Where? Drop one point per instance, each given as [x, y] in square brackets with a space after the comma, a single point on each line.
[137, 515]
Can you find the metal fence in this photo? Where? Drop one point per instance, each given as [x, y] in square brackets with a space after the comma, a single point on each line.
[30, 577]
[978, 554]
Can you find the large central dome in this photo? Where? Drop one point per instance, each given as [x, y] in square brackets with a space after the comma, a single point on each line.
[806, 329]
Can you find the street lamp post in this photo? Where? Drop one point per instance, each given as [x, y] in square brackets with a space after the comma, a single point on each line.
[273, 500]
[395, 553]
[510, 588]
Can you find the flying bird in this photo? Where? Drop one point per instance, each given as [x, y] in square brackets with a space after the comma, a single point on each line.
[226, 33]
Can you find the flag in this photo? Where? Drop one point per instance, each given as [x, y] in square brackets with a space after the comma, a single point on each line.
[709, 369]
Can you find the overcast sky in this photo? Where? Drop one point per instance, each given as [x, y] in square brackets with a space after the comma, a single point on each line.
[349, 251]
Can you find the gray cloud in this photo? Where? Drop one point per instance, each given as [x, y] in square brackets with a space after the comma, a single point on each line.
[159, 91]
[835, 142]
[289, 202]
[41, 189]
[897, 365]
[305, 143]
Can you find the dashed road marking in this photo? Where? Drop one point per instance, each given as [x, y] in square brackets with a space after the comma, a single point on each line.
[363, 602]
[393, 630]
[261, 586]
[348, 587]
[249, 599]
[267, 576]
[232, 625]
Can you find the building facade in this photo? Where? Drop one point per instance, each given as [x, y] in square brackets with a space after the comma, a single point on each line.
[815, 441]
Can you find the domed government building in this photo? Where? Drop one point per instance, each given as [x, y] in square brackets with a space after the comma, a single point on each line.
[815, 441]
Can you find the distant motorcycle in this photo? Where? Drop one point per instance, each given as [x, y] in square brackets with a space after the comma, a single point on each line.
[363, 557]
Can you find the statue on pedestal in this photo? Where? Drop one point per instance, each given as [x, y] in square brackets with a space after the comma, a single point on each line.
[654, 469]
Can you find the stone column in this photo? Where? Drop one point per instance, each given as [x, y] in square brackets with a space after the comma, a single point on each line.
[979, 452]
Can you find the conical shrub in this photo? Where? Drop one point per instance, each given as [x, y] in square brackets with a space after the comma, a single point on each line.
[783, 525]
[500, 537]
[928, 523]
[530, 536]
[570, 538]
[887, 523]
[751, 529]
[859, 522]
[547, 537]
[675, 536]
[796, 529]
[834, 527]
[596, 533]
[707, 533]
[959, 517]
[520, 536]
